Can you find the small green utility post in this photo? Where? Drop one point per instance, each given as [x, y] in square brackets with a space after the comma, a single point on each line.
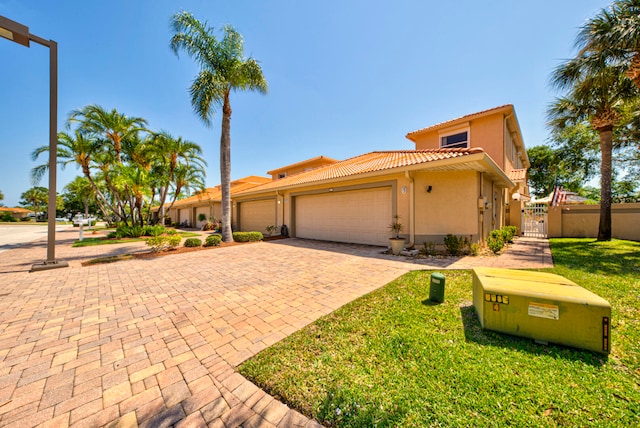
[436, 289]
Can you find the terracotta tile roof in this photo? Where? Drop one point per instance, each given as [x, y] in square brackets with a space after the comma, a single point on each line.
[323, 159]
[518, 174]
[465, 118]
[369, 162]
[15, 210]
[214, 194]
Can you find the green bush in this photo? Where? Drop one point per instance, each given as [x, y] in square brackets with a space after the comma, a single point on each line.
[247, 236]
[456, 245]
[7, 217]
[112, 235]
[495, 242]
[171, 232]
[157, 243]
[213, 241]
[173, 241]
[508, 232]
[156, 230]
[428, 249]
[193, 242]
[474, 249]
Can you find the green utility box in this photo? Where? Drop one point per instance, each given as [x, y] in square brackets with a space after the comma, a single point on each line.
[541, 306]
[436, 287]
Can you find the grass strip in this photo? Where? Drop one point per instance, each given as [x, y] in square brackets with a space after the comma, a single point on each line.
[391, 358]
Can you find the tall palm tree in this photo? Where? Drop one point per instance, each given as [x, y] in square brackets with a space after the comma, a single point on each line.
[615, 32]
[35, 198]
[223, 69]
[596, 94]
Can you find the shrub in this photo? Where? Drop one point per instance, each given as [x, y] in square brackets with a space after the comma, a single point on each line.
[202, 217]
[495, 242]
[247, 236]
[112, 235]
[193, 242]
[474, 249]
[173, 241]
[157, 243]
[428, 249]
[213, 241]
[210, 225]
[508, 232]
[456, 244]
[156, 230]
[171, 232]
[7, 217]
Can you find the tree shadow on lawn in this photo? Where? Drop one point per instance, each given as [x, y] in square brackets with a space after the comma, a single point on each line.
[473, 332]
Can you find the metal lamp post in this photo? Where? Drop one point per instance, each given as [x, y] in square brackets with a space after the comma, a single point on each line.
[19, 33]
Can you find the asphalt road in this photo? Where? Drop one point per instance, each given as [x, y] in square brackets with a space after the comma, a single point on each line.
[11, 236]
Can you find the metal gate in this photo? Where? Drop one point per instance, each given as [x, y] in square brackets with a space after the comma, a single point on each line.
[534, 220]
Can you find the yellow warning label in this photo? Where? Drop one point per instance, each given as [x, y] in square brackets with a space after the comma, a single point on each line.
[542, 310]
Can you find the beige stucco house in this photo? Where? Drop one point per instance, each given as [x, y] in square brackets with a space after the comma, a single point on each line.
[209, 202]
[17, 212]
[466, 177]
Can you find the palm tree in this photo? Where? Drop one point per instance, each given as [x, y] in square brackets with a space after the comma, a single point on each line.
[223, 69]
[170, 152]
[34, 198]
[113, 126]
[615, 33]
[597, 92]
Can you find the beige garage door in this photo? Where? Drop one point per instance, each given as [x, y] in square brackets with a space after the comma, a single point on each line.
[255, 216]
[359, 216]
[183, 215]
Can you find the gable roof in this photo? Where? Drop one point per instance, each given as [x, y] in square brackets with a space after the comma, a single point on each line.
[214, 194]
[16, 210]
[322, 159]
[386, 162]
[507, 108]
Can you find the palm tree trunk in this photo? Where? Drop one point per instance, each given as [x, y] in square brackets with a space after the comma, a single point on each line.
[225, 169]
[606, 147]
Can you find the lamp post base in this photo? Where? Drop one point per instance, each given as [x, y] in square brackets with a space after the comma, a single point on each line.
[48, 264]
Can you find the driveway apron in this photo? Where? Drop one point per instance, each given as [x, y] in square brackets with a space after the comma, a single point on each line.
[155, 342]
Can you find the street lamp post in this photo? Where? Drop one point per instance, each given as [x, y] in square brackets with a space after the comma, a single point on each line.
[19, 33]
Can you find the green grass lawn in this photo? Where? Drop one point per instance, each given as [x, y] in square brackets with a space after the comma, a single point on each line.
[103, 240]
[391, 358]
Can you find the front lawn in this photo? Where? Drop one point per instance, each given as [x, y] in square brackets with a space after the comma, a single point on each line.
[391, 358]
[103, 240]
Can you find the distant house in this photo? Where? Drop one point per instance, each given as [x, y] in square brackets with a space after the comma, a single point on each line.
[17, 212]
[466, 177]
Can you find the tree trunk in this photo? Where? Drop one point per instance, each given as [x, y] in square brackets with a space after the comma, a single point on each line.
[225, 169]
[606, 146]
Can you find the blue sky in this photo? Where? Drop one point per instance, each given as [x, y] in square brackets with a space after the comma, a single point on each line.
[345, 77]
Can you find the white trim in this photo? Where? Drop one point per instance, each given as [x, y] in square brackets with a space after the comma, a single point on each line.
[455, 131]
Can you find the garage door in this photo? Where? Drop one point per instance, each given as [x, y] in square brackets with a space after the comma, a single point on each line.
[255, 216]
[183, 215]
[359, 216]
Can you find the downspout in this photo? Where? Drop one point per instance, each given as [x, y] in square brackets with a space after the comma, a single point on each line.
[277, 202]
[412, 232]
[481, 209]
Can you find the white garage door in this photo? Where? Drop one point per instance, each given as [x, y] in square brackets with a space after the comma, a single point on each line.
[359, 216]
[255, 216]
[183, 215]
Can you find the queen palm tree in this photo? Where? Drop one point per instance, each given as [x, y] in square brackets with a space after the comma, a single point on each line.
[110, 126]
[615, 33]
[596, 93]
[223, 69]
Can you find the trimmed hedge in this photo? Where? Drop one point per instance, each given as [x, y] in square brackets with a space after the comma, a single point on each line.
[213, 241]
[247, 236]
[193, 242]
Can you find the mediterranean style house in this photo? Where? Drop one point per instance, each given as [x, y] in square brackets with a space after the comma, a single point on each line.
[466, 177]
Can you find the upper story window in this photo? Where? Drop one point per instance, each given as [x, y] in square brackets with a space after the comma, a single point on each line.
[455, 141]
[282, 175]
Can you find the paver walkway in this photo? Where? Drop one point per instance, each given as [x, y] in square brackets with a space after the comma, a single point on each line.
[154, 342]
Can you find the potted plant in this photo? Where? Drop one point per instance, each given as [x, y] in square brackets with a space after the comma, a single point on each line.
[397, 243]
[270, 229]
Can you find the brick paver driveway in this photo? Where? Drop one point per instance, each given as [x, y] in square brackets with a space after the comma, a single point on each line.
[154, 342]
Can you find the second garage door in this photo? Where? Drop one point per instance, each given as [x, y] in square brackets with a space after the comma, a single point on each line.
[358, 216]
[255, 216]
